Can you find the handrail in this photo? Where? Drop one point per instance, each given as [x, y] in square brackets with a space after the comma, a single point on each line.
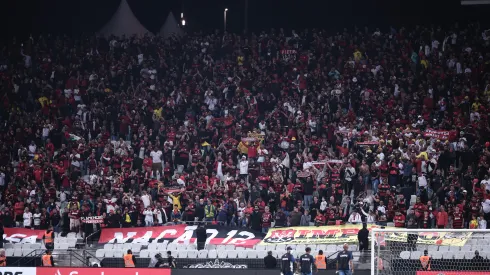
[86, 238]
[30, 259]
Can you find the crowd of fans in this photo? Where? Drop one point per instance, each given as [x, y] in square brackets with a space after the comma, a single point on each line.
[260, 130]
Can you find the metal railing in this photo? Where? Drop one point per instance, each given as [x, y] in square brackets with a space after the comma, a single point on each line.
[62, 258]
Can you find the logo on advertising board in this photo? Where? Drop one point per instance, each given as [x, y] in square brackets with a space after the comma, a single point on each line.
[217, 264]
[17, 271]
[100, 271]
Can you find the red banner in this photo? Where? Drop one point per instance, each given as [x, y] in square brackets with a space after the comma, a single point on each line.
[17, 235]
[440, 134]
[453, 272]
[101, 271]
[181, 234]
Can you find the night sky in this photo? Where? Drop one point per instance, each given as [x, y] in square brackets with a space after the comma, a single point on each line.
[21, 17]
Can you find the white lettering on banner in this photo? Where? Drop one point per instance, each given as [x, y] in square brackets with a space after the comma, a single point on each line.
[242, 241]
[145, 239]
[119, 237]
[167, 231]
[213, 233]
[17, 270]
[20, 238]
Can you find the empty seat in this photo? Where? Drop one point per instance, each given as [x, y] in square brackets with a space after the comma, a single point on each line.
[72, 242]
[454, 248]
[127, 246]
[433, 248]
[211, 247]
[118, 254]
[221, 247]
[9, 252]
[212, 254]
[468, 255]
[331, 248]
[17, 246]
[61, 240]
[152, 246]
[36, 245]
[28, 252]
[241, 254]
[222, 254]
[8, 246]
[100, 253]
[64, 246]
[232, 254]
[239, 248]
[162, 246]
[466, 248]
[191, 254]
[437, 255]
[71, 235]
[202, 254]
[136, 247]
[280, 247]
[443, 248]
[405, 255]
[300, 248]
[261, 254]
[353, 247]
[108, 246]
[118, 246]
[251, 254]
[144, 253]
[109, 253]
[230, 247]
[415, 255]
[17, 252]
[459, 255]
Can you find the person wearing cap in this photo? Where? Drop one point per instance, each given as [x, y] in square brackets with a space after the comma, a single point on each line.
[306, 263]
[287, 262]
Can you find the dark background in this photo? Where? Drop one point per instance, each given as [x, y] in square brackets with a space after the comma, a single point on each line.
[21, 17]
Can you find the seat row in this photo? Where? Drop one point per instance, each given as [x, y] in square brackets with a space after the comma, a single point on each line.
[205, 254]
[163, 246]
[468, 255]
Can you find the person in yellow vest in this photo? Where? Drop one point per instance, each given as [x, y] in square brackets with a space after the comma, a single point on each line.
[3, 259]
[47, 259]
[129, 259]
[425, 261]
[321, 260]
[48, 238]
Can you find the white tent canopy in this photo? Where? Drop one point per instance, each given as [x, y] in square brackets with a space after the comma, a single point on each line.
[171, 26]
[123, 22]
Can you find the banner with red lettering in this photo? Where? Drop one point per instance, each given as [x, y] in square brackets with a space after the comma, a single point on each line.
[17, 235]
[100, 271]
[440, 134]
[180, 234]
[453, 272]
[288, 55]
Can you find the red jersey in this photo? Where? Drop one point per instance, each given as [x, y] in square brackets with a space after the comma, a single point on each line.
[266, 220]
[457, 220]
[399, 220]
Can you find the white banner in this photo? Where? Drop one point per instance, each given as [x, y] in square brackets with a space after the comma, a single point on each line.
[17, 271]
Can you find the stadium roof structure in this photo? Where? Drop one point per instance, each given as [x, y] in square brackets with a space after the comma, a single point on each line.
[123, 22]
[171, 26]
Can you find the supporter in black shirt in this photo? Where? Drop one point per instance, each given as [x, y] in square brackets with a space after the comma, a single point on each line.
[270, 261]
[307, 263]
